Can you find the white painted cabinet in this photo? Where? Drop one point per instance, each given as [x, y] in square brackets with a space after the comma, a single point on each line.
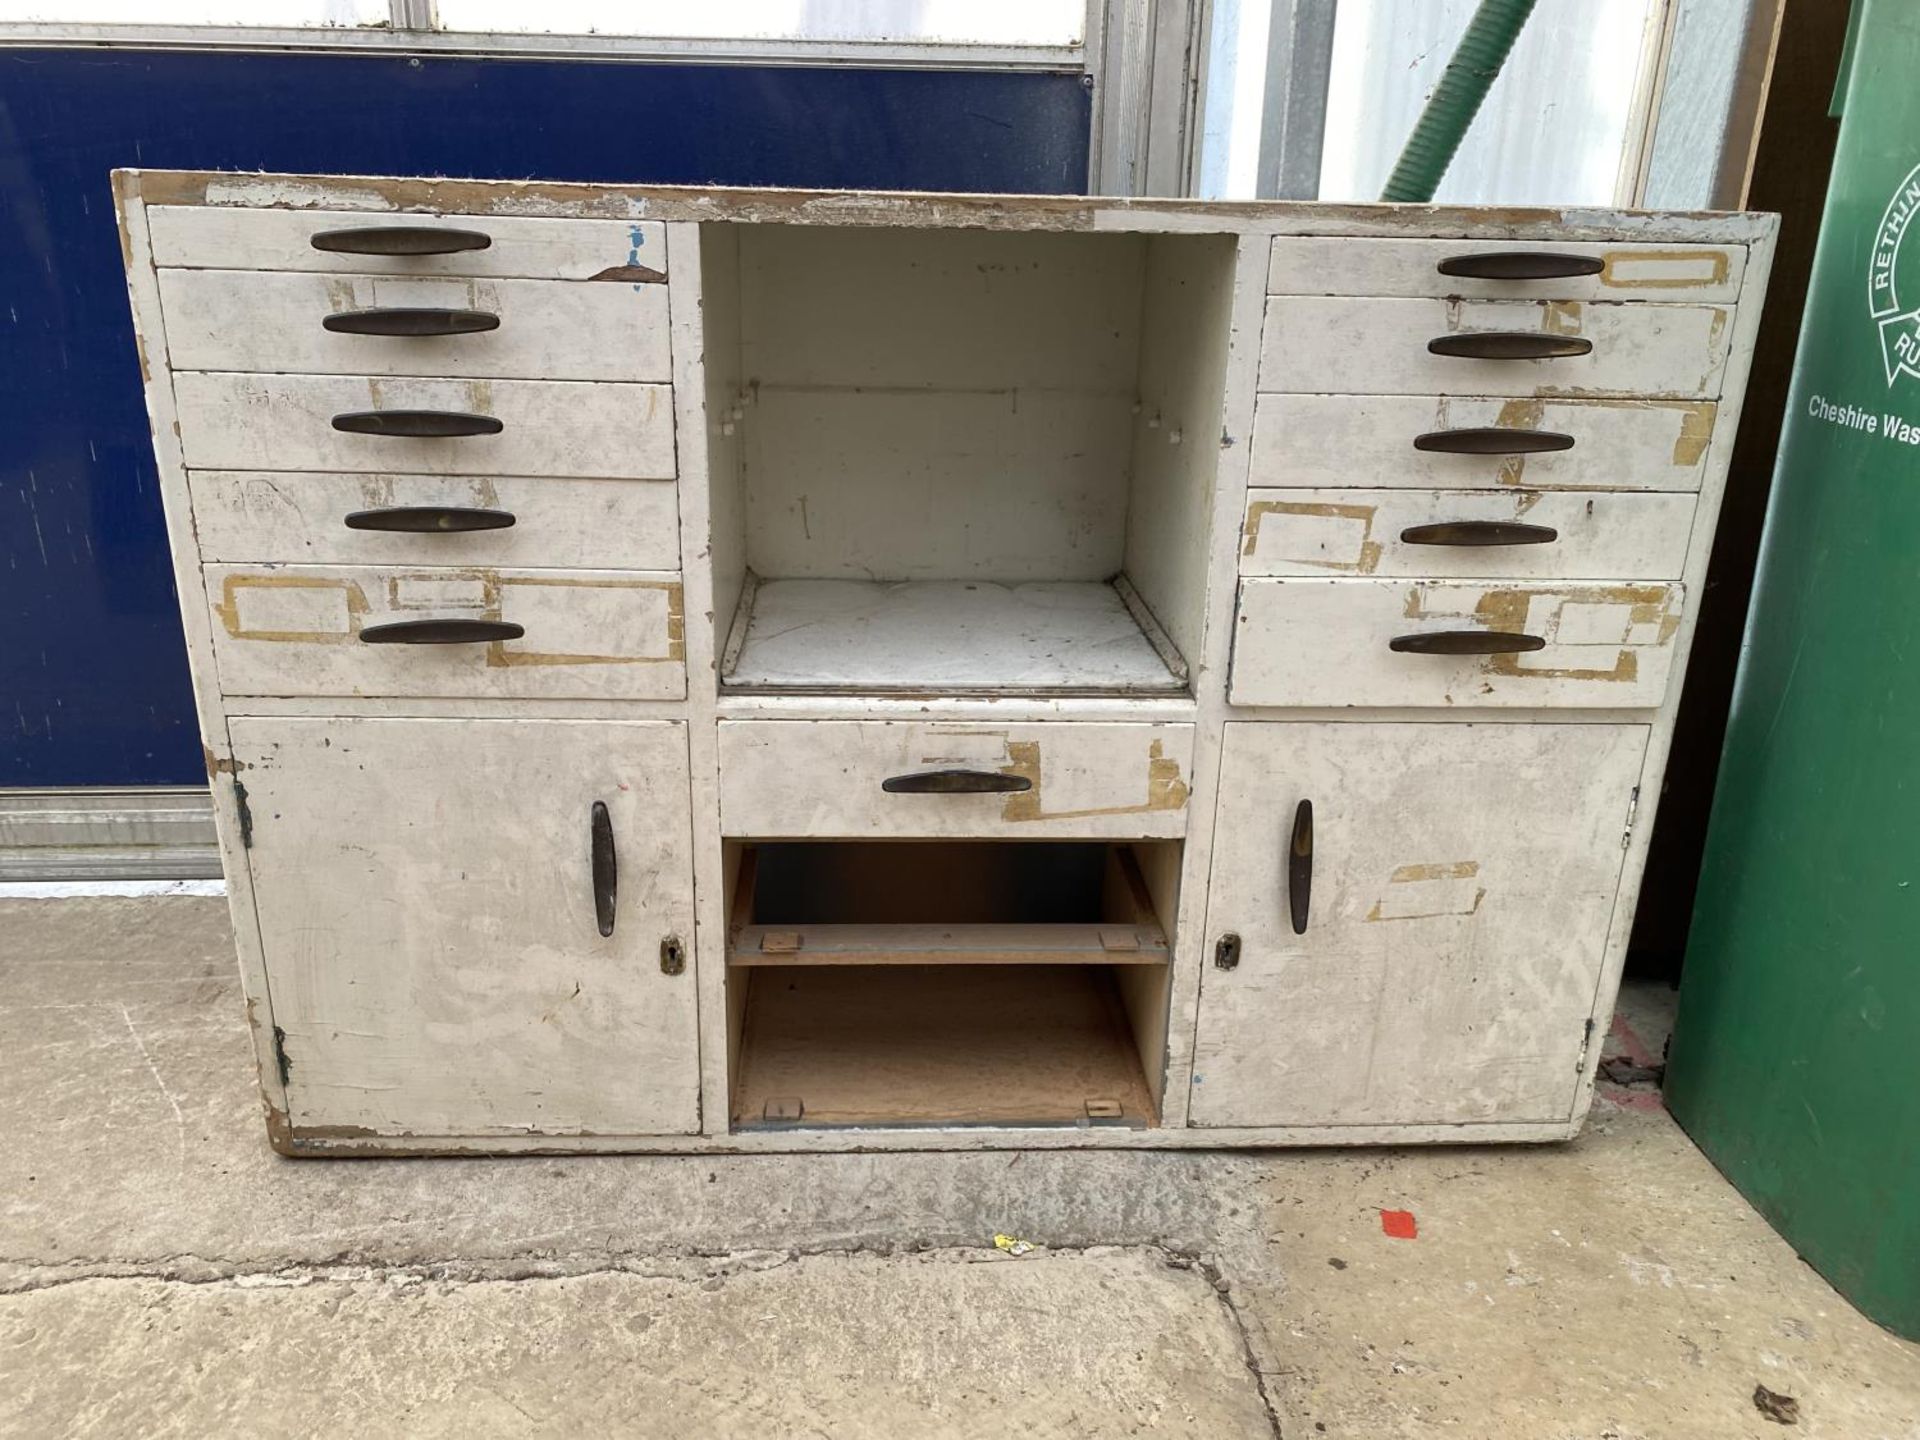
[1422, 944]
[431, 908]
[726, 670]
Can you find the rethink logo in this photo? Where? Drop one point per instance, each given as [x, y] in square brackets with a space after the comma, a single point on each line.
[1899, 330]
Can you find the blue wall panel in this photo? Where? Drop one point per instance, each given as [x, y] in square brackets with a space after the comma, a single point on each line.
[93, 676]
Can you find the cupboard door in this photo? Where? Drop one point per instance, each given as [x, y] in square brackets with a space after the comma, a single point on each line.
[429, 899]
[1462, 881]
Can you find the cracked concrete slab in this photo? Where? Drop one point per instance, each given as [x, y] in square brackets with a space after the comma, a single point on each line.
[134, 1033]
[1101, 1342]
[1611, 1289]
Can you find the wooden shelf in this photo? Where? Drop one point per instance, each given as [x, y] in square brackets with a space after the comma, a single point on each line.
[948, 945]
[947, 636]
[1128, 933]
[926, 1045]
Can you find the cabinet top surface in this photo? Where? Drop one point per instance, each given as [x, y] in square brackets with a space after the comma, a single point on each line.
[426, 196]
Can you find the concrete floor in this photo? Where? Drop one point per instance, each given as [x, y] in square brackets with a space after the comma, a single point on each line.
[163, 1273]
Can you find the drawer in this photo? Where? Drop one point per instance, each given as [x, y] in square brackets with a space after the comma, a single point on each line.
[799, 778]
[230, 238]
[297, 630]
[293, 516]
[284, 422]
[1365, 532]
[1319, 440]
[1327, 643]
[1379, 347]
[547, 329]
[1318, 265]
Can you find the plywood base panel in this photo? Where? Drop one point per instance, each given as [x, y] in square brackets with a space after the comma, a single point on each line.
[932, 1045]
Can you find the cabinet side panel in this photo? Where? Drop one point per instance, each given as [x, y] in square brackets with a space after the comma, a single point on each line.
[222, 771]
[731, 408]
[1713, 488]
[1179, 434]
[713, 547]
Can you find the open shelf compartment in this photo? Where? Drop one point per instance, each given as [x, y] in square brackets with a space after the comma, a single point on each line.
[962, 462]
[949, 983]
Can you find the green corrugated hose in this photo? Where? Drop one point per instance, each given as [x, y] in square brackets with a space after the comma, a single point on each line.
[1456, 100]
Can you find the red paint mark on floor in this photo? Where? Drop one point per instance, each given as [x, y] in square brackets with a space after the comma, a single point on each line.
[1631, 1044]
[1399, 1225]
[1627, 1042]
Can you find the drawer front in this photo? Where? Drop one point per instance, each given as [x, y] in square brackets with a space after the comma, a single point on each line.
[255, 516]
[284, 422]
[296, 630]
[1323, 440]
[547, 330]
[1348, 266]
[799, 778]
[1367, 532]
[1379, 347]
[1327, 643]
[222, 238]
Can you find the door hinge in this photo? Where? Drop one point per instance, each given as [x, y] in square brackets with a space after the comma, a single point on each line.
[246, 814]
[1586, 1044]
[1633, 808]
[280, 1060]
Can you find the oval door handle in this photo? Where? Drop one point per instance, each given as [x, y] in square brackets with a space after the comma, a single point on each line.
[1510, 345]
[606, 871]
[401, 320]
[440, 632]
[1492, 440]
[1300, 866]
[430, 519]
[956, 782]
[416, 424]
[1465, 642]
[400, 240]
[1479, 532]
[1521, 265]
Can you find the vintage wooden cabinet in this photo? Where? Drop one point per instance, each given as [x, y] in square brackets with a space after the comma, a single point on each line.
[743, 670]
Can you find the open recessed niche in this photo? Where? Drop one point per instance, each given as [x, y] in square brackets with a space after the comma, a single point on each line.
[962, 461]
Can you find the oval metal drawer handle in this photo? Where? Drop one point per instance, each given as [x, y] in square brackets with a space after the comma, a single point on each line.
[606, 867]
[1492, 440]
[402, 320]
[1521, 265]
[400, 240]
[416, 424]
[430, 519]
[1465, 642]
[1479, 532]
[441, 632]
[956, 782]
[1510, 345]
[1300, 867]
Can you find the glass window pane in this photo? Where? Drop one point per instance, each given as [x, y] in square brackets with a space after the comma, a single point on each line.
[981, 22]
[199, 12]
[1554, 126]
